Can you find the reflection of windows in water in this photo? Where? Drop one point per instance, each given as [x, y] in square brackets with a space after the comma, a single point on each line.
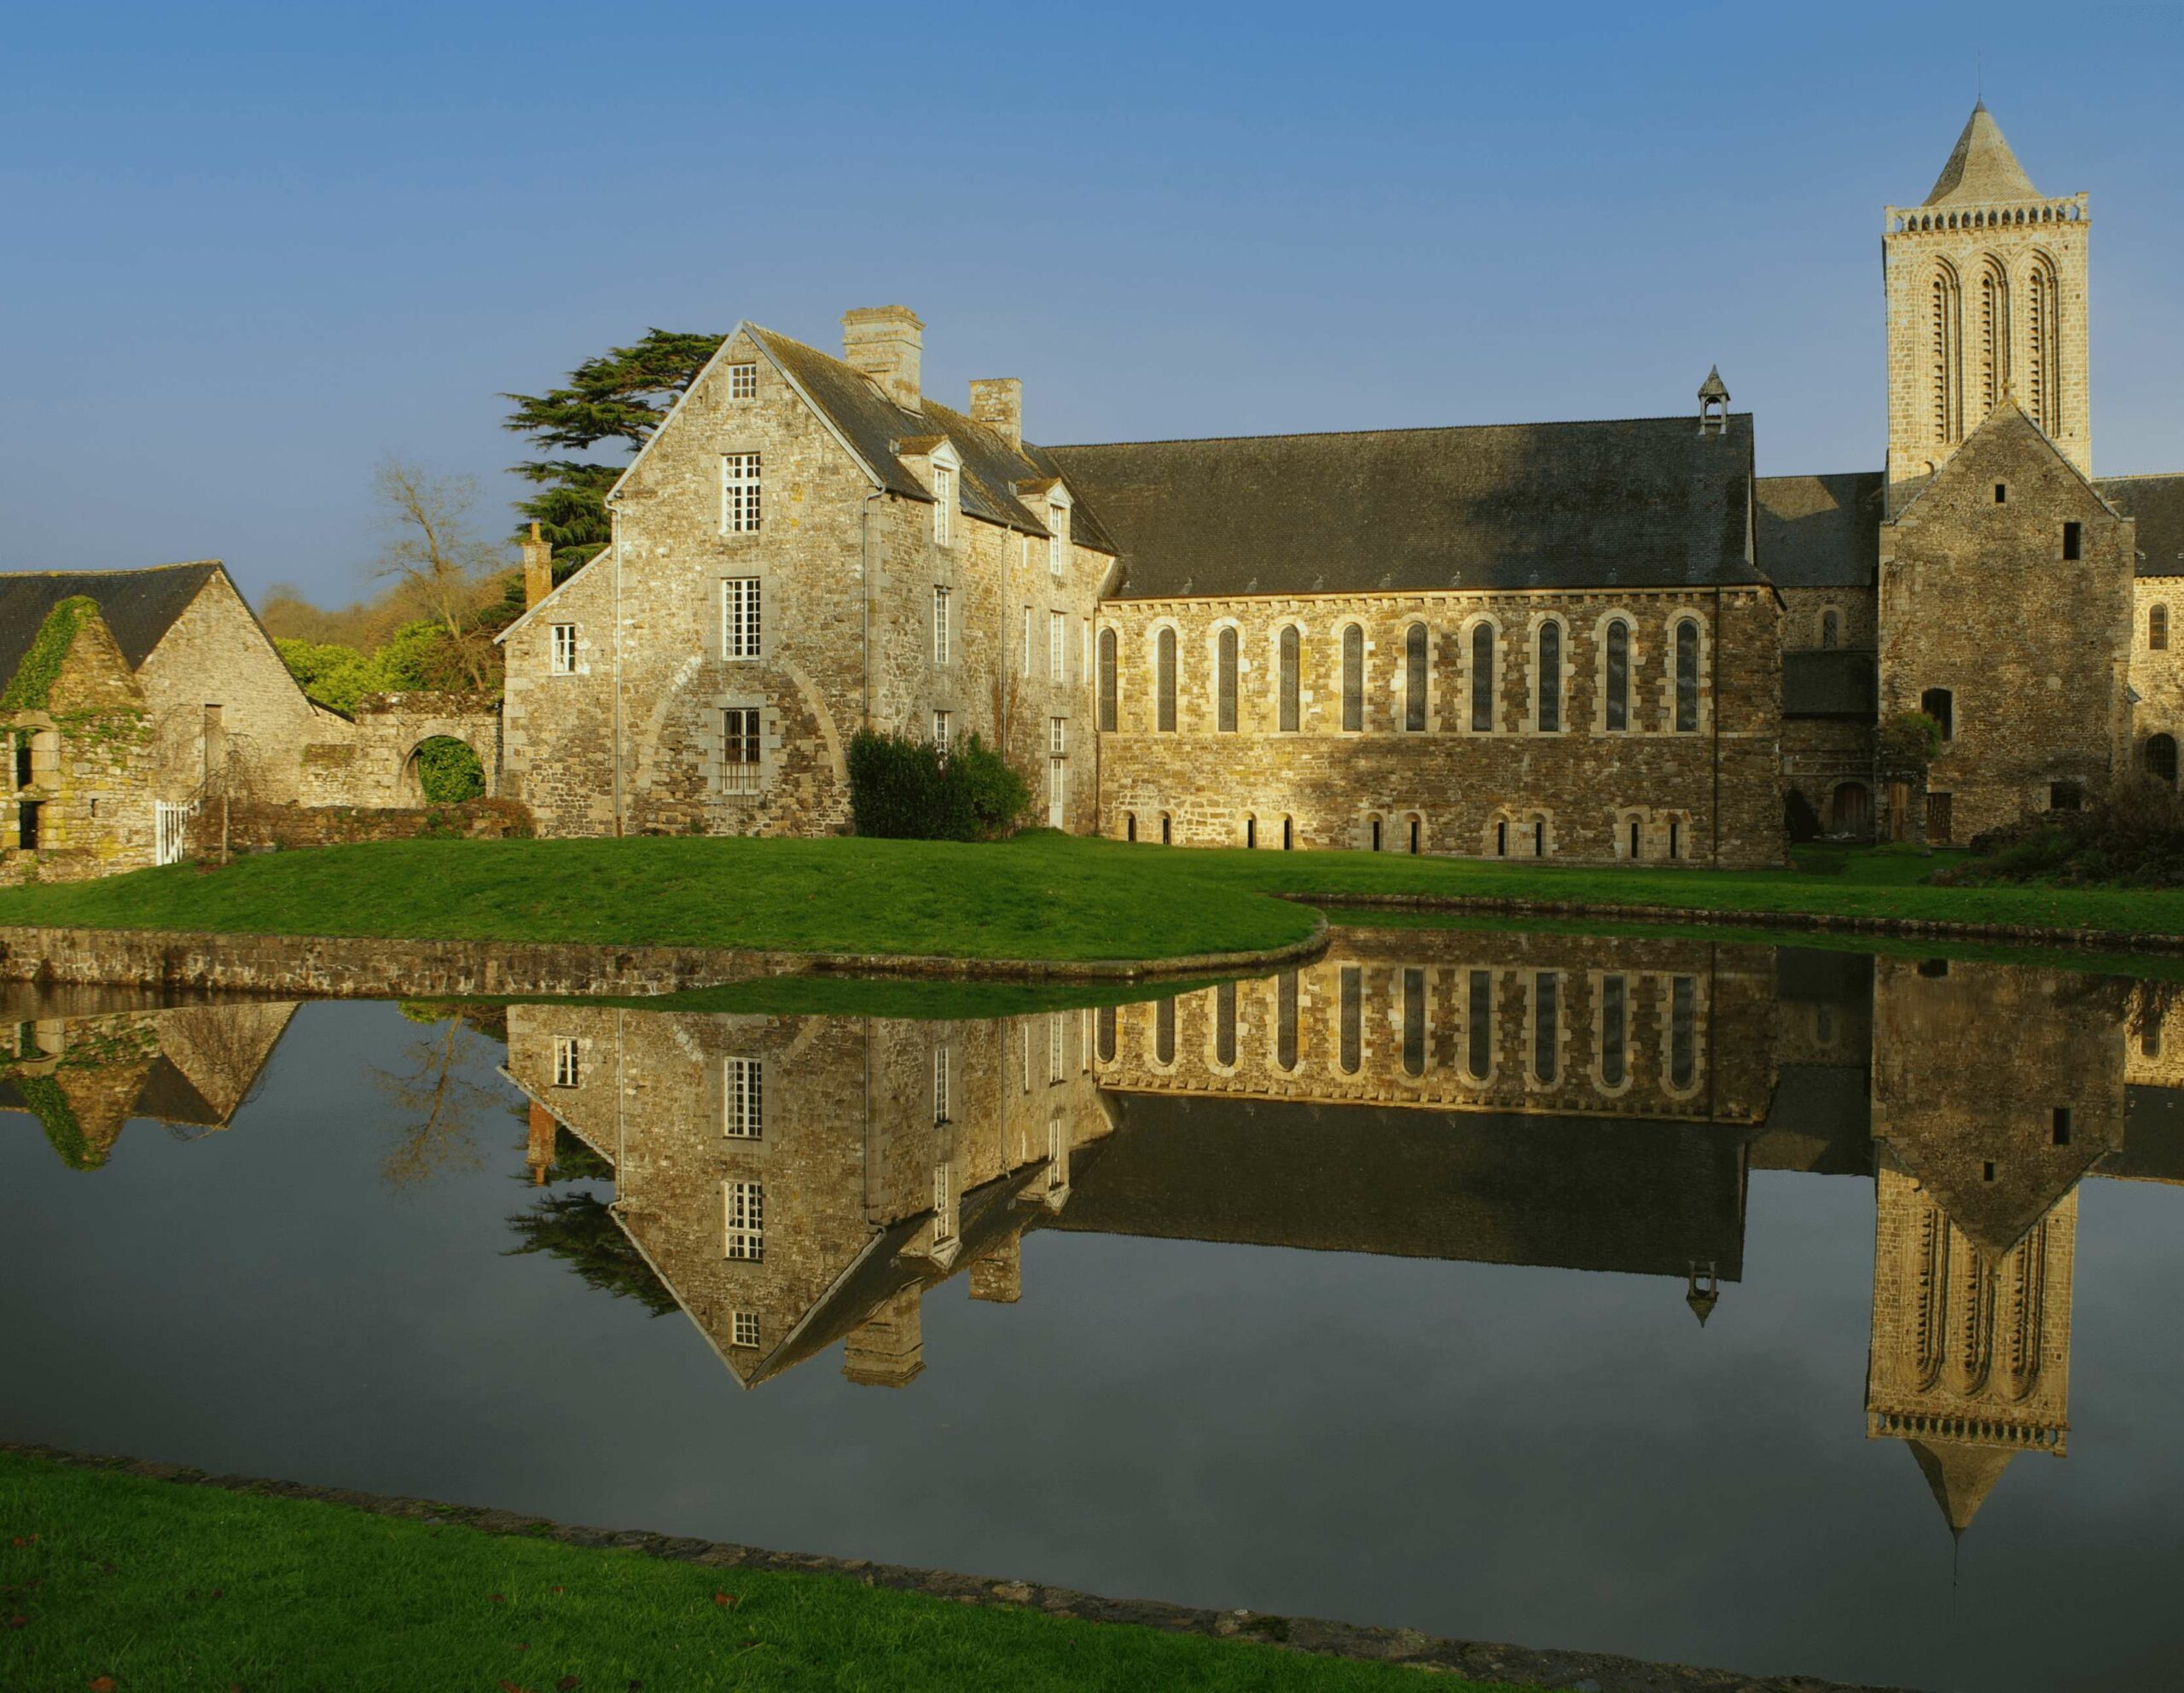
[742, 1098]
[746, 1218]
[1823, 1024]
[1479, 1018]
[1055, 1069]
[1683, 1015]
[1164, 1033]
[1106, 1028]
[1224, 1024]
[1285, 1020]
[2149, 1037]
[1353, 1020]
[1413, 1022]
[941, 1080]
[1614, 1017]
[944, 1203]
[1547, 1010]
[565, 1072]
[1057, 1153]
[746, 1328]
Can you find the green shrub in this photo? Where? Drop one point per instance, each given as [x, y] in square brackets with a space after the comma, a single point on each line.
[2133, 833]
[902, 789]
[448, 771]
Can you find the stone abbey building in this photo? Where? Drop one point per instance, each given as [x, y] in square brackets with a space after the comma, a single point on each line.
[1585, 641]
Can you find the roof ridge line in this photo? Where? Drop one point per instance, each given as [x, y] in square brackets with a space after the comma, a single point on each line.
[1401, 429]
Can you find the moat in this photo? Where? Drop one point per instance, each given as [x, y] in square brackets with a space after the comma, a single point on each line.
[1773, 1308]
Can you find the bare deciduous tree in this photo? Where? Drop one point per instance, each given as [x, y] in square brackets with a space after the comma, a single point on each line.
[431, 552]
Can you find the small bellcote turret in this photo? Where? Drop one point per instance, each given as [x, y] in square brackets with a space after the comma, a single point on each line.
[1713, 402]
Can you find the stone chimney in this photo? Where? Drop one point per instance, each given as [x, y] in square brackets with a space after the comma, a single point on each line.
[887, 1349]
[998, 402]
[887, 344]
[537, 566]
[999, 1275]
[539, 1148]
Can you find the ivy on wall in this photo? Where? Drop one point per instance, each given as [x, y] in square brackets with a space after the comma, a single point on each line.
[31, 687]
[50, 1106]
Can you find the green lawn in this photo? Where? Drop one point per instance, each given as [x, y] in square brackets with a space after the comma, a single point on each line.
[111, 1581]
[1041, 895]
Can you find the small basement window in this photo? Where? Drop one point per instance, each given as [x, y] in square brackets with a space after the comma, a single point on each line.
[2065, 796]
[2062, 1126]
[2073, 540]
[2002, 493]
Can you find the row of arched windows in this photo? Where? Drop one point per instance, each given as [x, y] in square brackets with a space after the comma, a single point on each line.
[2015, 340]
[1545, 704]
[1540, 1001]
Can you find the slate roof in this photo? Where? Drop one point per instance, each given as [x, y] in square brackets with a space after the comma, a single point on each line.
[877, 430]
[1820, 531]
[1836, 683]
[1981, 168]
[2157, 503]
[1582, 1193]
[139, 606]
[1648, 501]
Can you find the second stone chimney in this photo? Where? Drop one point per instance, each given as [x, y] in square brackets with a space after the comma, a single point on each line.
[887, 344]
[998, 402]
[537, 567]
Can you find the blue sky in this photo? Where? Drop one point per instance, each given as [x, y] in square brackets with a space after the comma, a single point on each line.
[254, 248]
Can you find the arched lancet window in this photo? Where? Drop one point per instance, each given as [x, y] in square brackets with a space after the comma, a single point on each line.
[1108, 705]
[1548, 715]
[1686, 675]
[1940, 704]
[1224, 1025]
[1163, 1032]
[1417, 835]
[1353, 679]
[2157, 628]
[1547, 1028]
[1130, 825]
[1413, 678]
[1414, 1021]
[1944, 417]
[1478, 1026]
[1618, 675]
[1285, 1020]
[2042, 387]
[1614, 1029]
[1163, 679]
[2161, 758]
[1105, 1034]
[1167, 830]
[1994, 354]
[1292, 663]
[1224, 681]
[1482, 679]
[1831, 628]
[1352, 1055]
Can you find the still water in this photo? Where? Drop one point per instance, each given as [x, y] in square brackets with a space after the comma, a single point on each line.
[1776, 1309]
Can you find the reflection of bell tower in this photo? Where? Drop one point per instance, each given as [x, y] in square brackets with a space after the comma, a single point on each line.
[1971, 1359]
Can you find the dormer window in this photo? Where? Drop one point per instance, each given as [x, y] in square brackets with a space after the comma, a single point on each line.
[944, 504]
[1058, 535]
[743, 381]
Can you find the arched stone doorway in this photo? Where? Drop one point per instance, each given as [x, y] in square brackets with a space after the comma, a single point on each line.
[442, 769]
[1850, 810]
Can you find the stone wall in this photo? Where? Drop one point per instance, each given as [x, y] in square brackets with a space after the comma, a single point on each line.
[1714, 794]
[1830, 761]
[92, 770]
[1978, 598]
[2156, 677]
[1857, 619]
[252, 827]
[382, 771]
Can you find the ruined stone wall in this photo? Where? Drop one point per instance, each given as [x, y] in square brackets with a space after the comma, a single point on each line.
[391, 727]
[1584, 786]
[93, 769]
[846, 589]
[251, 827]
[1724, 1073]
[1978, 598]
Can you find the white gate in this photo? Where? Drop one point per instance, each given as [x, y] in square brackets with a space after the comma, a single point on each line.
[171, 830]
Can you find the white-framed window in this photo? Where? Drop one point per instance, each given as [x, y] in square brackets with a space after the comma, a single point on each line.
[944, 1203]
[564, 650]
[1054, 1070]
[743, 381]
[739, 493]
[568, 1068]
[1057, 646]
[943, 503]
[739, 618]
[1058, 538]
[742, 750]
[940, 1086]
[1057, 1153]
[743, 1331]
[1027, 641]
[942, 646]
[742, 1099]
[941, 728]
[1057, 737]
[745, 1205]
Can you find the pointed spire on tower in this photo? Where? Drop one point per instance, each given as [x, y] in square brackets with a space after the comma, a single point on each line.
[1982, 168]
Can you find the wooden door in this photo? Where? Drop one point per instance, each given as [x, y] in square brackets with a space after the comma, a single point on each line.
[1938, 822]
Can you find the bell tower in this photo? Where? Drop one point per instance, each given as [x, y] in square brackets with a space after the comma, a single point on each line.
[1986, 281]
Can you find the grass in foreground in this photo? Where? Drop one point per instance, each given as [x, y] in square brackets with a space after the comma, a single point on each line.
[166, 1588]
[1039, 896]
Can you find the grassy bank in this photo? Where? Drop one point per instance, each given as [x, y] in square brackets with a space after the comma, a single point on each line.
[1040, 896]
[153, 1587]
